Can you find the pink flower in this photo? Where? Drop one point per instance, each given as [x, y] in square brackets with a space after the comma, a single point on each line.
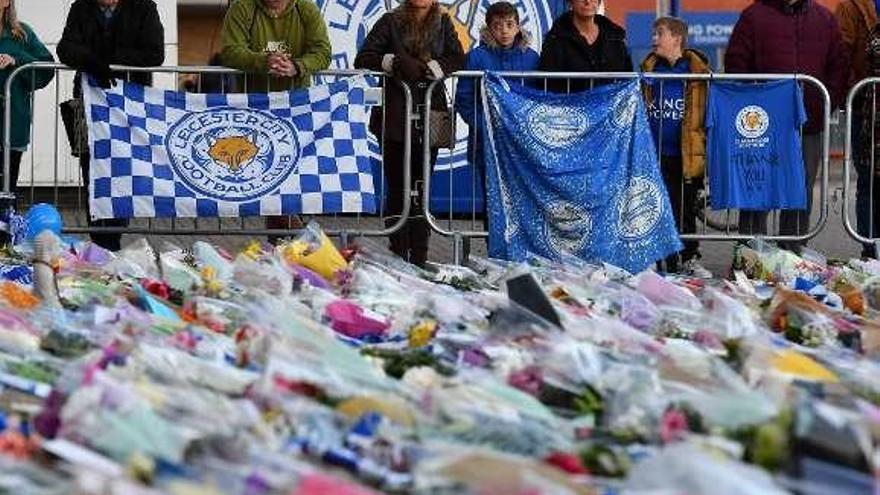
[528, 380]
[673, 426]
[708, 339]
[569, 463]
[157, 288]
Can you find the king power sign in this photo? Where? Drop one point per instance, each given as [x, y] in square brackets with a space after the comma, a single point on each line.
[349, 21]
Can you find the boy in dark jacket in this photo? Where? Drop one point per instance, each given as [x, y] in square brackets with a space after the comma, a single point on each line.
[677, 110]
[504, 46]
[99, 33]
[788, 37]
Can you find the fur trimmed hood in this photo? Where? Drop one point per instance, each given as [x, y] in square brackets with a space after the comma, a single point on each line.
[417, 38]
[523, 39]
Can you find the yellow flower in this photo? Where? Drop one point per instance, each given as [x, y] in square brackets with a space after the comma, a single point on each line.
[209, 276]
[253, 250]
[796, 364]
[421, 334]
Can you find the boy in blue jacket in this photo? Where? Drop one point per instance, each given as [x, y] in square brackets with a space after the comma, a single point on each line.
[504, 46]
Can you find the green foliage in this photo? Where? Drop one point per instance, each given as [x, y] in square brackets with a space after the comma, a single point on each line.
[396, 363]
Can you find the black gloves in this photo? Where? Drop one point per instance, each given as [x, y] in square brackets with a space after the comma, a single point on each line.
[409, 68]
[100, 70]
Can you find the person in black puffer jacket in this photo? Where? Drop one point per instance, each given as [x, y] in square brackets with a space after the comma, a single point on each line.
[583, 41]
[99, 33]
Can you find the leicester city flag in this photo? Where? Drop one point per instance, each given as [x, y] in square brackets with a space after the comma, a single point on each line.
[158, 153]
[575, 175]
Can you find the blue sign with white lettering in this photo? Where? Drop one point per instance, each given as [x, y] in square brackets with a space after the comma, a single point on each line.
[709, 32]
[705, 29]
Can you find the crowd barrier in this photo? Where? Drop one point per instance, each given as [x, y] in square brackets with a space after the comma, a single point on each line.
[861, 157]
[200, 79]
[712, 225]
[463, 223]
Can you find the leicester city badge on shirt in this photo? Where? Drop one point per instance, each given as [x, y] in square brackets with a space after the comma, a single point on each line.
[754, 150]
[574, 175]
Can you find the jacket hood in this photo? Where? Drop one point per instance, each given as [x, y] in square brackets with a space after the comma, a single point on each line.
[698, 61]
[523, 39]
[563, 27]
[788, 8]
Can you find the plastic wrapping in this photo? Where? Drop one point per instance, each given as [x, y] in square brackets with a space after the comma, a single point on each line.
[170, 365]
[27, 479]
[177, 272]
[496, 415]
[209, 258]
[484, 472]
[727, 317]
[214, 373]
[664, 293]
[266, 275]
[715, 476]
[16, 332]
[315, 251]
[118, 423]
[138, 260]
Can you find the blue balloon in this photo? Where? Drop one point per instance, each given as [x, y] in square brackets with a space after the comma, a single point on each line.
[40, 217]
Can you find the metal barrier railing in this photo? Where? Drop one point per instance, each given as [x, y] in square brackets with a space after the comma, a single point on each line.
[860, 153]
[715, 225]
[223, 80]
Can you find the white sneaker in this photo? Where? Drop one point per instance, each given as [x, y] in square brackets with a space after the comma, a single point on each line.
[693, 268]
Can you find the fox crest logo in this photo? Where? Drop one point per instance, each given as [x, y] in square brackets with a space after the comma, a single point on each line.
[233, 151]
[752, 122]
[232, 154]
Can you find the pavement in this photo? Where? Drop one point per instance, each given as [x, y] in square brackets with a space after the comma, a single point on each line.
[833, 241]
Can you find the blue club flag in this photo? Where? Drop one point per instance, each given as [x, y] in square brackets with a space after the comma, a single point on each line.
[575, 175]
[158, 153]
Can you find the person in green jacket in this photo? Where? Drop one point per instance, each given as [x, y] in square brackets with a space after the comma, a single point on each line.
[278, 43]
[19, 46]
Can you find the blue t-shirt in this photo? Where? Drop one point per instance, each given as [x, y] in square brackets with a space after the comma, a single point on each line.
[754, 150]
[666, 108]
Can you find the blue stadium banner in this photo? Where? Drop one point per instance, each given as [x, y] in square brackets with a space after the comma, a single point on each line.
[159, 153]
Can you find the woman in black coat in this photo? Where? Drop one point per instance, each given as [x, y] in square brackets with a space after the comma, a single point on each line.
[100, 33]
[415, 43]
[581, 40]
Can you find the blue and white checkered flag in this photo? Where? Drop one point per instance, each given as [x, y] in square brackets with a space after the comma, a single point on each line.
[158, 153]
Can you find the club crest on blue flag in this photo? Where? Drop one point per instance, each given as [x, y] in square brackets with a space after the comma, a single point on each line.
[159, 153]
[575, 175]
[236, 155]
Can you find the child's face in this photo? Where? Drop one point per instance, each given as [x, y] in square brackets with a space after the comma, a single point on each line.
[504, 30]
[665, 43]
